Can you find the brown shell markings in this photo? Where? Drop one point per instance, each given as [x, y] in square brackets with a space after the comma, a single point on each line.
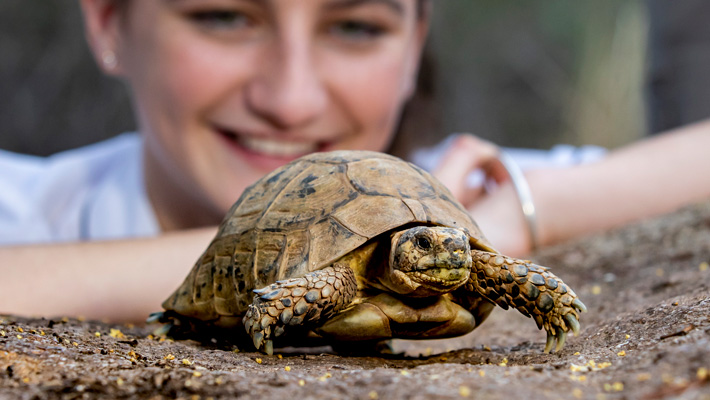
[304, 216]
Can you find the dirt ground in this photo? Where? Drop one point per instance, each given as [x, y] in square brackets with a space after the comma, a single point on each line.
[646, 336]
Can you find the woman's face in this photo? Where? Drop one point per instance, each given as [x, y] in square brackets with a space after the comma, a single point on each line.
[227, 90]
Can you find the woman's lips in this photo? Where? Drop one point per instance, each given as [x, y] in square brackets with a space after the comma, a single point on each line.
[269, 153]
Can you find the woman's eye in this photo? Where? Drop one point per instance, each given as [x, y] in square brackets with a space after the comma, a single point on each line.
[357, 30]
[220, 19]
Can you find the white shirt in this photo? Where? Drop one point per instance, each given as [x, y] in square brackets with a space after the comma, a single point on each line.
[93, 192]
[98, 192]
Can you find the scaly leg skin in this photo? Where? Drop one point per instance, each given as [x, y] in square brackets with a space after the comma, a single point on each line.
[529, 288]
[311, 299]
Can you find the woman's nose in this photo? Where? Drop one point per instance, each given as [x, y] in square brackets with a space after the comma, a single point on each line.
[288, 90]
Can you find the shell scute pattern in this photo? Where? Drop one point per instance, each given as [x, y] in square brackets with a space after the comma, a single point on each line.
[304, 216]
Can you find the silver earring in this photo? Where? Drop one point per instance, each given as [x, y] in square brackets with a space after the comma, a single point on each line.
[108, 57]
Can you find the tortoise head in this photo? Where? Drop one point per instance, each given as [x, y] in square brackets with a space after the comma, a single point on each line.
[428, 261]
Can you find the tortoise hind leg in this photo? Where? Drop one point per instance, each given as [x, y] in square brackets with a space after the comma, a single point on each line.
[529, 288]
[310, 299]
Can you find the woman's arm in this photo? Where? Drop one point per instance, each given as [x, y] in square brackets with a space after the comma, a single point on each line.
[122, 280]
[646, 178]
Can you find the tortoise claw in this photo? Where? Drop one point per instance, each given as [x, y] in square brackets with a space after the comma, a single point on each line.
[573, 323]
[269, 347]
[154, 317]
[258, 338]
[577, 303]
[561, 338]
[550, 342]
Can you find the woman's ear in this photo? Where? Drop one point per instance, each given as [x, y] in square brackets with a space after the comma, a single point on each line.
[102, 24]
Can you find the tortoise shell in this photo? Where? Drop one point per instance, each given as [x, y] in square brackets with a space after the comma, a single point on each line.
[306, 215]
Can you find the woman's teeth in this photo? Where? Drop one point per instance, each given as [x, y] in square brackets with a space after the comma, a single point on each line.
[277, 148]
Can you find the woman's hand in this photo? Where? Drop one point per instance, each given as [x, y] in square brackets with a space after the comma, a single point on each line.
[466, 155]
[492, 202]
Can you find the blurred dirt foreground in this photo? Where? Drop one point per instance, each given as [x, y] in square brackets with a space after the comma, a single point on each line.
[646, 336]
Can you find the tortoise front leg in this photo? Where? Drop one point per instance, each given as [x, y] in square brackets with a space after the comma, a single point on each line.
[313, 298]
[529, 288]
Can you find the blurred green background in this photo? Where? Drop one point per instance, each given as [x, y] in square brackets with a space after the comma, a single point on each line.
[520, 73]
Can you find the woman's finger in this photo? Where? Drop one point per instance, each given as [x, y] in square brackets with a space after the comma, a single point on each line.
[466, 155]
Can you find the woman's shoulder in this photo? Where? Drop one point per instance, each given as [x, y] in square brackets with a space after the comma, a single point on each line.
[54, 198]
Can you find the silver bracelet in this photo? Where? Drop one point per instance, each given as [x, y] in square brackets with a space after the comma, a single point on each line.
[522, 189]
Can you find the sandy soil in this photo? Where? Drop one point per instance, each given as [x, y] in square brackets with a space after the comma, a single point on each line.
[646, 336]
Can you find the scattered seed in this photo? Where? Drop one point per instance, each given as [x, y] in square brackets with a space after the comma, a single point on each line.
[464, 391]
[287, 368]
[119, 381]
[115, 333]
[482, 373]
[301, 382]
[197, 374]
[74, 344]
[622, 353]
[185, 361]
[643, 377]
[577, 393]
[219, 380]
[576, 353]
[703, 374]
[373, 395]
[19, 336]
[660, 272]
[169, 357]
[2, 333]
[20, 330]
[404, 372]
[97, 334]
[41, 333]
[258, 360]
[279, 356]
[504, 362]
[627, 336]
[704, 266]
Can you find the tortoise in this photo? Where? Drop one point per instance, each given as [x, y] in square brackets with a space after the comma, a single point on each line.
[359, 246]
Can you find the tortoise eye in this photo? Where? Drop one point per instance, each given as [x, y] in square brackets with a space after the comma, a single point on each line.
[424, 243]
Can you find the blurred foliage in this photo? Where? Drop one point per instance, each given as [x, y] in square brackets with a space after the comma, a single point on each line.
[530, 74]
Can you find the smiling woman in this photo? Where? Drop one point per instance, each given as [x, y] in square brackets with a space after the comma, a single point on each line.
[227, 90]
[224, 91]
